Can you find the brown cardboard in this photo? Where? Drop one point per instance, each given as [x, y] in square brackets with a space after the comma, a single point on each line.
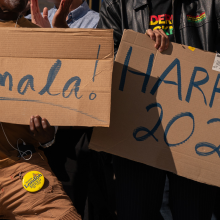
[133, 133]
[73, 60]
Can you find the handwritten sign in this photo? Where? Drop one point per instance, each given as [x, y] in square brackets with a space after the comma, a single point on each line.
[165, 109]
[62, 75]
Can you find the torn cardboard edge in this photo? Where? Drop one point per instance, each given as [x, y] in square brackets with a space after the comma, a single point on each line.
[138, 39]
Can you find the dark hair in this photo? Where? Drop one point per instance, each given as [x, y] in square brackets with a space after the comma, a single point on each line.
[15, 5]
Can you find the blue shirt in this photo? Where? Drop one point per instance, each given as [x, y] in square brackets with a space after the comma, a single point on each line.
[81, 17]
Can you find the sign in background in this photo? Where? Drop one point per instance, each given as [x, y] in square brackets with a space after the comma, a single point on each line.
[62, 75]
[165, 109]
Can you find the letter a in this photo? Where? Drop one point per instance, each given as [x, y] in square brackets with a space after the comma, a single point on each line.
[176, 62]
[197, 83]
[30, 82]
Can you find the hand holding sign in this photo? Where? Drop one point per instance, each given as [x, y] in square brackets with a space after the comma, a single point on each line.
[161, 39]
[41, 129]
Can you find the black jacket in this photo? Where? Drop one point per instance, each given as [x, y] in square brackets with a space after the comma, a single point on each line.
[134, 14]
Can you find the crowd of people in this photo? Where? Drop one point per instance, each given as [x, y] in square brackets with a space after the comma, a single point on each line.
[116, 188]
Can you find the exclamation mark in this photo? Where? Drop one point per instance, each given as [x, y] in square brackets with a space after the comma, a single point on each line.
[92, 95]
[96, 63]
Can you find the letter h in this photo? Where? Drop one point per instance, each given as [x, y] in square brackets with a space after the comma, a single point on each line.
[125, 70]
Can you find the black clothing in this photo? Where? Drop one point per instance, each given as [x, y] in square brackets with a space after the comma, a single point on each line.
[139, 193]
[73, 169]
[191, 200]
[139, 190]
[161, 16]
[202, 32]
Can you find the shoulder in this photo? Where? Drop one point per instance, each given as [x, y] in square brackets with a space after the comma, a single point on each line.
[110, 3]
[111, 6]
[93, 14]
[88, 20]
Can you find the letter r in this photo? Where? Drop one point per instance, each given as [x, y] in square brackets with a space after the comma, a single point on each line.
[215, 90]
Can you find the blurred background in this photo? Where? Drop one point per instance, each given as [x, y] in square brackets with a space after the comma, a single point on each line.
[44, 3]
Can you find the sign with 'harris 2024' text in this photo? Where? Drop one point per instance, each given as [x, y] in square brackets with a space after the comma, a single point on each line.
[165, 109]
[61, 75]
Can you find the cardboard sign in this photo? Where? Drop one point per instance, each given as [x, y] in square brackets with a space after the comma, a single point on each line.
[165, 109]
[63, 75]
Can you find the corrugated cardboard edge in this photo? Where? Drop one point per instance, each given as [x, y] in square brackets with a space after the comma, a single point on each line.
[54, 42]
[109, 122]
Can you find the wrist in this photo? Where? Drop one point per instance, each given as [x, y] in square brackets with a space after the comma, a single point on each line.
[50, 143]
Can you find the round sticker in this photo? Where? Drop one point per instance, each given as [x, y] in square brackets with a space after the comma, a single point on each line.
[33, 181]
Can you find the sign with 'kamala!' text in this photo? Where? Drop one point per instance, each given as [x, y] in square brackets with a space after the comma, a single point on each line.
[63, 75]
[165, 109]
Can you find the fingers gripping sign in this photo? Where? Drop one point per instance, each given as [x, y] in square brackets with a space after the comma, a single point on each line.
[161, 39]
[41, 129]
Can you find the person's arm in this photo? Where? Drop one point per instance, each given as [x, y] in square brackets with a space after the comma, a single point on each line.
[110, 18]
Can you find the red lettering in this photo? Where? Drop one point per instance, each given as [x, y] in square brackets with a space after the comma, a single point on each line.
[153, 20]
[167, 17]
[153, 17]
[161, 19]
